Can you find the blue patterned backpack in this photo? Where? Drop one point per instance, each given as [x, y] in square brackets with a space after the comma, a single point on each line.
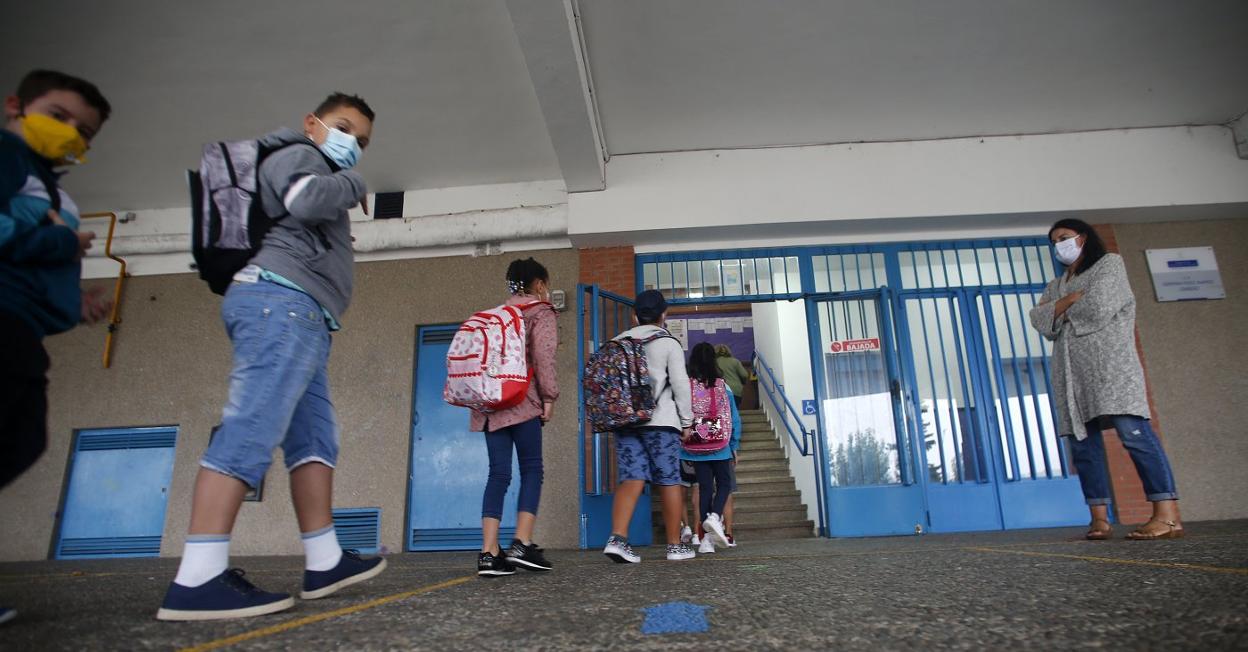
[617, 384]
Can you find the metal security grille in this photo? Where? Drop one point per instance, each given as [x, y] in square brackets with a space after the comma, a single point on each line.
[975, 430]
[756, 274]
[358, 528]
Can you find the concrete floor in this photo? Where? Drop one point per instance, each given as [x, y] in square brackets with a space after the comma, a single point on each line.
[1038, 589]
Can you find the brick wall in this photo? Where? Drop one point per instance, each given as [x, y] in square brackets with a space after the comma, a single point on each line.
[611, 268]
[1129, 503]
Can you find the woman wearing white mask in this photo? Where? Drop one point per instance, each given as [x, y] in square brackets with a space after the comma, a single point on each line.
[1089, 314]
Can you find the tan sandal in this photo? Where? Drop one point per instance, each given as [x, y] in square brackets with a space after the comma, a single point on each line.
[1175, 532]
[1098, 533]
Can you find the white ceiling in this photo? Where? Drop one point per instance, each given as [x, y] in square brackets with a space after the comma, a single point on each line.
[709, 74]
[457, 105]
[447, 79]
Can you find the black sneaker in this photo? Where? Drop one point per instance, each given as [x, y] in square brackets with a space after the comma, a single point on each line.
[527, 557]
[227, 595]
[489, 565]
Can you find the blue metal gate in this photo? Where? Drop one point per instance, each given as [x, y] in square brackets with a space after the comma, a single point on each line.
[972, 445]
[449, 464]
[118, 488]
[601, 316]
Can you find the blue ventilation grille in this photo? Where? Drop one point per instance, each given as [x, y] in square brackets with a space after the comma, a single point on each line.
[123, 438]
[102, 547]
[437, 335]
[358, 528]
[455, 539]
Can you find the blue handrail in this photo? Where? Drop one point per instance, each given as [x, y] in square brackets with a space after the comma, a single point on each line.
[803, 446]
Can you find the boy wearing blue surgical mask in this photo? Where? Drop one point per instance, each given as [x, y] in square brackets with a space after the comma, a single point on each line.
[49, 124]
[279, 314]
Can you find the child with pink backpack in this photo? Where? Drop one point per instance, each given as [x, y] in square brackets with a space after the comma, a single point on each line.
[711, 444]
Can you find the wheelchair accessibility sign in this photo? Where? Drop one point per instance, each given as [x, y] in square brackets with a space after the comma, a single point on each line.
[808, 407]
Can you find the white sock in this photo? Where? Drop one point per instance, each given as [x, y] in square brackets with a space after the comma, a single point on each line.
[321, 549]
[204, 557]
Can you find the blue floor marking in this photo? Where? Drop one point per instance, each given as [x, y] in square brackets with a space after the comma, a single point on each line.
[675, 618]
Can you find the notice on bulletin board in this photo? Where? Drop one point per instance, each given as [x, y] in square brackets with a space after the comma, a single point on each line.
[1184, 274]
[679, 328]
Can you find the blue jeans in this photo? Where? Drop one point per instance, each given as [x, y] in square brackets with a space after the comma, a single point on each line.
[527, 438]
[279, 390]
[1145, 449]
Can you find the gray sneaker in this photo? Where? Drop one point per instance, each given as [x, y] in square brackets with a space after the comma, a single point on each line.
[679, 552]
[620, 552]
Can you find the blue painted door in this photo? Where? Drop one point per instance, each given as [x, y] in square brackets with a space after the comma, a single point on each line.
[449, 464]
[867, 450]
[943, 373]
[602, 315]
[117, 491]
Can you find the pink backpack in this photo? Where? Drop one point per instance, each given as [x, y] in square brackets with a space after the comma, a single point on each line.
[712, 418]
[487, 366]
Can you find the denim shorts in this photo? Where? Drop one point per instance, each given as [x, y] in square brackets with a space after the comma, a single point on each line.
[650, 454]
[279, 390]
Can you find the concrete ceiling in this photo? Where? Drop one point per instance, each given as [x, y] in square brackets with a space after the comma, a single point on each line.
[710, 74]
[475, 92]
[447, 79]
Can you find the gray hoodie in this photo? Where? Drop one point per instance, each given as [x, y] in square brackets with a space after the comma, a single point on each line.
[310, 245]
[666, 361]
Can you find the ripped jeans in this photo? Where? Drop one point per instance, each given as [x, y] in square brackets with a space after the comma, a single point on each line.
[1145, 449]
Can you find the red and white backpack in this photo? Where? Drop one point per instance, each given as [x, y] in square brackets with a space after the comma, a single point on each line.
[487, 366]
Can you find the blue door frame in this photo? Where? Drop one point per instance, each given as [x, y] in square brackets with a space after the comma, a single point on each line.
[448, 465]
[1012, 471]
[867, 508]
[601, 315]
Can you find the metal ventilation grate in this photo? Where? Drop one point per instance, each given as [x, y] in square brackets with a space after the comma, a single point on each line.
[454, 538]
[120, 438]
[437, 335]
[387, 205]
[97, 548]
[358, 528]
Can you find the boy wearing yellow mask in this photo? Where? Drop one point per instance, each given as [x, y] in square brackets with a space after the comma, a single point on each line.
[49, 124]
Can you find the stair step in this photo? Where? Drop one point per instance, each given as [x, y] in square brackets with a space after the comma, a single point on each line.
[775, 517]
[752, 491]
[763, 532]
[765, 483]
[761, 455]
[761, 466]
[771, 503]
[758, 444]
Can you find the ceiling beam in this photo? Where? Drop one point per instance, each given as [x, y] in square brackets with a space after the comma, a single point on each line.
[553, 51]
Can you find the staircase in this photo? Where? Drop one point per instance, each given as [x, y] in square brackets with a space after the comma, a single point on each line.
[768, 505]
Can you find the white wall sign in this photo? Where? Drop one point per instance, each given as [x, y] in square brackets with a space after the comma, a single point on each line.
[679, 330]
[1186, 273]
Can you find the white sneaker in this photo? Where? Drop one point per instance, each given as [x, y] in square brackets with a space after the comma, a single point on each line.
[686, 534]
[707, 547]
[679, 552]
[693, 541]
[732, 543]
[714, 526]
[620, 552]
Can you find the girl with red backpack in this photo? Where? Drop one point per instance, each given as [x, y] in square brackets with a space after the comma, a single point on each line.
[520, 427]
[711, 444]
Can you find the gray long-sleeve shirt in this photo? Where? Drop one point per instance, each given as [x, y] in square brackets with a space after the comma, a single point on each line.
[1096, 369]
[673, 400]
[310, 245]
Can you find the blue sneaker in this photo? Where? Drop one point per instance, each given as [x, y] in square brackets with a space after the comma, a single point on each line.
[350, 570]
[7, 614]
[227, 595]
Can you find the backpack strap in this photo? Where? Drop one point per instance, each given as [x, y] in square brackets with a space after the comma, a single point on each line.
[49, 183]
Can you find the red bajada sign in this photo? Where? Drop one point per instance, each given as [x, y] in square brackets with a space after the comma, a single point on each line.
[855, 346]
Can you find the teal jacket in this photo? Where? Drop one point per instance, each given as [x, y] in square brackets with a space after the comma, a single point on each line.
[39, 266]
[728, 451]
